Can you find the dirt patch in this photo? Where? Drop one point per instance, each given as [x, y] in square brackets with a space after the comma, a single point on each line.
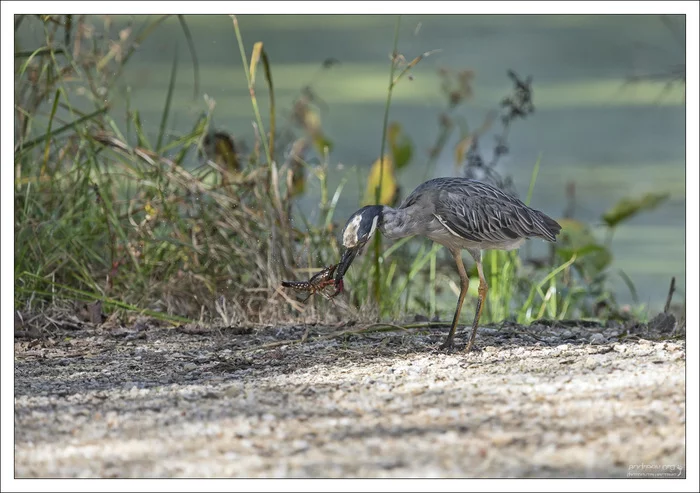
[538, 401]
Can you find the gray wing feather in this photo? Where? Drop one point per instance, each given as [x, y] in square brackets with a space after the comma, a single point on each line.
[481, 212]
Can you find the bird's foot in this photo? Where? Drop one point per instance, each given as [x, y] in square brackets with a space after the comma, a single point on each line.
[471, 348]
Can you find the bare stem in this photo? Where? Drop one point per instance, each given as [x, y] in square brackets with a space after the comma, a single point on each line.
[377, 191]
[251, 89]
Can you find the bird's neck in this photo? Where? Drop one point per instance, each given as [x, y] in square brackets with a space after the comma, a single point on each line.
[397, 223]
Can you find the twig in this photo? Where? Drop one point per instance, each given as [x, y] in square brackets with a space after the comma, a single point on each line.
[289, 300]
[671, 289]
[368, 329]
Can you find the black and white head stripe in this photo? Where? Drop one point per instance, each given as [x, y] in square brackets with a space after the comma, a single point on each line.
[361, 225]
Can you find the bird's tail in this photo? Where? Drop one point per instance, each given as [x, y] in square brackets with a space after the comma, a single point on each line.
[548, 227]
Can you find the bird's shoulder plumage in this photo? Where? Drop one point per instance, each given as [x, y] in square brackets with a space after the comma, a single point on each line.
[480, 212]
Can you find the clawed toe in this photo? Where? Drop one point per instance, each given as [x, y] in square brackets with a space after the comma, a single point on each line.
[471, 348]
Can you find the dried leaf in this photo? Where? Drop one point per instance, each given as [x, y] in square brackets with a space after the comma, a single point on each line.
[254, 59]
[95, 312]
[462, 148]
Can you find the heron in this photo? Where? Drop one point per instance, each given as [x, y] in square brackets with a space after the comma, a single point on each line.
[459, 214]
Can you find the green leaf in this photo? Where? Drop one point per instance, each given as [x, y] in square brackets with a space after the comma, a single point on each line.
[577, 238]
[629, 207]
[321, 142]
[142, 140]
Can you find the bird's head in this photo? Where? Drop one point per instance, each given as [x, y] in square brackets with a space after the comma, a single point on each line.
[357, 232]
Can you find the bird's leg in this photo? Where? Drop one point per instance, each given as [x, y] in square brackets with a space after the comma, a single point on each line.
[483, 289]
[464, 287]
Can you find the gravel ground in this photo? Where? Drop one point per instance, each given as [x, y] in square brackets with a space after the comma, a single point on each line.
[538, 401]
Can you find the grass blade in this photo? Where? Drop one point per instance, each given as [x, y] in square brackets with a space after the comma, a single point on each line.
[416, 266]
[31, 143]
[141, 138]
[43, 51]
[630, 285]
[334, 202]
[268, 78]
[47, 147]
[533, 179]
[522, 316]
[168, 102]
[395, 246]
[193, 52]
[127, 118]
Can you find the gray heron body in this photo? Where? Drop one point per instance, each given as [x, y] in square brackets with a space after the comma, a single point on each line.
[460, 214]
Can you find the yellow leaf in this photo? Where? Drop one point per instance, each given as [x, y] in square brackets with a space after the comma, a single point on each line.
[462, 148]
[312, 121]
[254, 58]
[389, 187]
[296, 179]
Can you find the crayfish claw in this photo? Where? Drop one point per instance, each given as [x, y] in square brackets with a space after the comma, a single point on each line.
[338, 288]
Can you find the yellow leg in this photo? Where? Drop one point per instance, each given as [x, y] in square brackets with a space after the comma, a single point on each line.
[483, 289]
[464, 287]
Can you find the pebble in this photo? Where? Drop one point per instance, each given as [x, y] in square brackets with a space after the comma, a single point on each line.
[597, 339]
[591, 363]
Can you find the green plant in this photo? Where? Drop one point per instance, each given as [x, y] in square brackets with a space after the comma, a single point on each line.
[118, 213]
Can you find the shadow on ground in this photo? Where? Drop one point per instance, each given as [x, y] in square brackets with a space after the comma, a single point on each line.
[567, 400]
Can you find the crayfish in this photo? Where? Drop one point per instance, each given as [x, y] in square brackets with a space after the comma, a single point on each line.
[317, 283]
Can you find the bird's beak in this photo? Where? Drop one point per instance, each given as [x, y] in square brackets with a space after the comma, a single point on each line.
[344, 264]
